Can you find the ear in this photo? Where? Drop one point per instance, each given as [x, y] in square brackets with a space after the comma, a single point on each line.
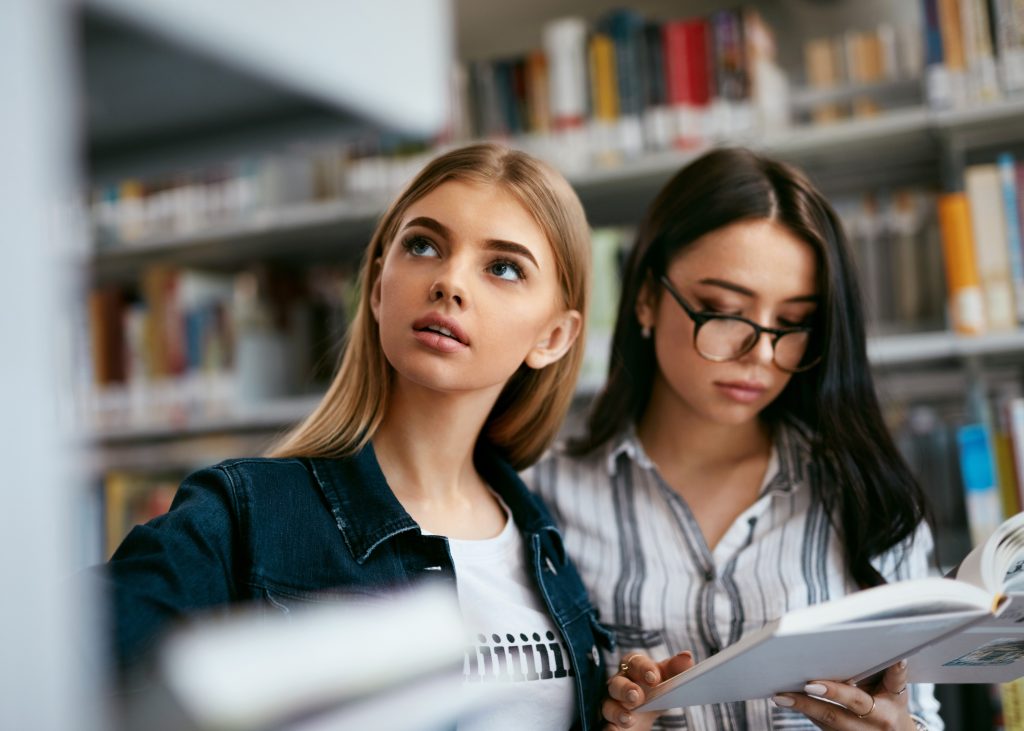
[378, 267]
[646, 304]
[558, 337]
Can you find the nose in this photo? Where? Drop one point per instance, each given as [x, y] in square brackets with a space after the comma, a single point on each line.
[442, 291]
[763, 350]
[449, 284]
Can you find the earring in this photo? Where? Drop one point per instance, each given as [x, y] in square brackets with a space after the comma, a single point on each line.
[645, 332]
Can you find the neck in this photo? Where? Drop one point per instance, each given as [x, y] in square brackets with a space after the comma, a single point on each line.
[678, 438]
[425, 443]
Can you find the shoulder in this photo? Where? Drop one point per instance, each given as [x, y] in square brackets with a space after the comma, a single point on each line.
[247, 479]
[260, 468]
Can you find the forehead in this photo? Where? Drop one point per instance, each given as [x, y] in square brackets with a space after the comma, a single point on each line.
[762, 255]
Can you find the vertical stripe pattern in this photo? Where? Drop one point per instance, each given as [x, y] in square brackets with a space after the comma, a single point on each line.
[656, 582]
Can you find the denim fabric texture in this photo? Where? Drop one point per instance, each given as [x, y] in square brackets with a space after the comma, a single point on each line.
[285, 532]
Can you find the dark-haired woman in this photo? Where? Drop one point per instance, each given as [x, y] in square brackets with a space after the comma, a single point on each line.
[736, 465]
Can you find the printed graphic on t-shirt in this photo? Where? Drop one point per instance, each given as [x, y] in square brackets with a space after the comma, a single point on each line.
[517, 657]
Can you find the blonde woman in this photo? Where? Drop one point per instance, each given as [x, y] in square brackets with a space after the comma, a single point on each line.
[458, 369]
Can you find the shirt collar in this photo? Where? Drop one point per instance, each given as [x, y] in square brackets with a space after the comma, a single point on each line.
[627, 444]
[367, 512]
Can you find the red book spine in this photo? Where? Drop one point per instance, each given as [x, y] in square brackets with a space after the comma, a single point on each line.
[696, 31]
[678, 81]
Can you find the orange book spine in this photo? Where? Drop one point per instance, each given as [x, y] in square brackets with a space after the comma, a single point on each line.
[963, 284]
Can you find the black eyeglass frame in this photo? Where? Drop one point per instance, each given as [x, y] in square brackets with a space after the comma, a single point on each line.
[702, 318]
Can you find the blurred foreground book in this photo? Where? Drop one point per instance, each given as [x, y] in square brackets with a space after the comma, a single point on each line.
[390, 664]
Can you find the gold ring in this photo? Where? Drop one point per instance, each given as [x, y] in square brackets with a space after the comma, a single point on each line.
[902, 690]
[624, 665]
[869, 710]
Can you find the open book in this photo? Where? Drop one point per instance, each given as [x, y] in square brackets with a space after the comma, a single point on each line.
[965, 628]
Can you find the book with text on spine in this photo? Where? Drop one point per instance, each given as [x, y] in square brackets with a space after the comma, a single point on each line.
[965, 628]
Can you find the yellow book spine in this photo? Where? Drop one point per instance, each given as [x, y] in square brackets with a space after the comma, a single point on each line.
[603, 79]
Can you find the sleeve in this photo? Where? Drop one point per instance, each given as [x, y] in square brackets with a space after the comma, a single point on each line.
[913, 559]
[176, 564]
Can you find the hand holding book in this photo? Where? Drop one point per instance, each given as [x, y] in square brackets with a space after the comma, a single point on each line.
[882, 704]
[628, 689]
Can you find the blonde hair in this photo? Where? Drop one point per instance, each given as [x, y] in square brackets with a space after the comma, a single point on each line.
[529, 411]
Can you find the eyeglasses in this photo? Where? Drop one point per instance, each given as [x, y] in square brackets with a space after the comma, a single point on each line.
[718, 337]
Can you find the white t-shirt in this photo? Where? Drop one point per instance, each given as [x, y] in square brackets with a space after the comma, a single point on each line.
[516, 641]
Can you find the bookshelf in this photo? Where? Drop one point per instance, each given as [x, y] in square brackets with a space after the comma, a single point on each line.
[907, 144]
[904, 139]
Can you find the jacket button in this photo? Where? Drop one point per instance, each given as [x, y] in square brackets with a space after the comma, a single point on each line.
[595, 655]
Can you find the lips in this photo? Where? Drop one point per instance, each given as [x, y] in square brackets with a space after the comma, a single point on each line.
[437, 329]
[742, 391]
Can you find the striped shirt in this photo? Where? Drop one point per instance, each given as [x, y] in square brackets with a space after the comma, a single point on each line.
[656, 582]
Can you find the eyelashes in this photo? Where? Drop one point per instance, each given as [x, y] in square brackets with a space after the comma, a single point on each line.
[506, 269]
[417, 245]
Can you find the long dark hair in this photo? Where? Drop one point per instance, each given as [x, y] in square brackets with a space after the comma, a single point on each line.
[866, 486]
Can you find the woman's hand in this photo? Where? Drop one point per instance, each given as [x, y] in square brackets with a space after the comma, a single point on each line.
[628, 689]
[882, 705]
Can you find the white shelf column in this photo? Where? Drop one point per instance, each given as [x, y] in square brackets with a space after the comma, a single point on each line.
[44, 623]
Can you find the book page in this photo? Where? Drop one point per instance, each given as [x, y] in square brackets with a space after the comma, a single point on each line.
[998, 563]
[918, 597]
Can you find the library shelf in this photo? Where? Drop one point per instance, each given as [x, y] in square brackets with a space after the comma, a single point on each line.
[266, 415]
[922, 347]
[279, 413]
[315, 228]
[991, 114]
[902, 138]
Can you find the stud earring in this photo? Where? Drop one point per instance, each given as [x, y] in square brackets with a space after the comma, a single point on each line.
[645, 332]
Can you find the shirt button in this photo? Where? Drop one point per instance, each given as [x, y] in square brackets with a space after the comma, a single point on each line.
[713, 650]
[709, 574]
[595, 655]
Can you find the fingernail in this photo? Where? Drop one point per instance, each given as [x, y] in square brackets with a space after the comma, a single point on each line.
[783, 700]
[625, 719]
[815, 689]
[650, 677]
[632, 696]
[902, 664]
[685, 652]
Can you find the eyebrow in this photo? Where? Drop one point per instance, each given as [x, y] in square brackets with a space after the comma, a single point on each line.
[509, 247]
[739, 289]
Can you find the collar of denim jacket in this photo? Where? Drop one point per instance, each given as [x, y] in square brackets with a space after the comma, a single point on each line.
[368, 514]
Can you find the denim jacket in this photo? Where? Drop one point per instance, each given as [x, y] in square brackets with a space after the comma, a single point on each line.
[284, 531]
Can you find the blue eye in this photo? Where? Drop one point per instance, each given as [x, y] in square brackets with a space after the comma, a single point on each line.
[506, 270]
[419, 246]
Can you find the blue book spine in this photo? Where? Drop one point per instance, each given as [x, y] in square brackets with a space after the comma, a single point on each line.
[981, 490]
[1008, 179]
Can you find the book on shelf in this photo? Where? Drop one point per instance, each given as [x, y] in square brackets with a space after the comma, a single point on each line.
[965, 628]
[974, 51]
[1010, 43]
[988, 226]
[976, 447]
[188, 344]
[1011, 697]
[963, 282]
[687, 79]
